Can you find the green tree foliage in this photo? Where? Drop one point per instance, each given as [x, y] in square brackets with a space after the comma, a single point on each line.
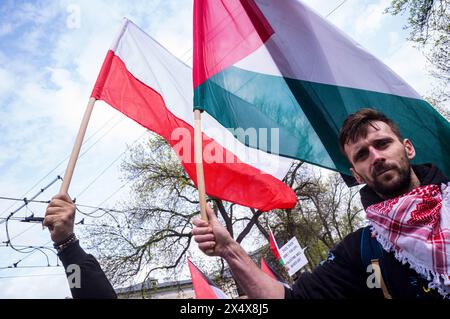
[429, 26]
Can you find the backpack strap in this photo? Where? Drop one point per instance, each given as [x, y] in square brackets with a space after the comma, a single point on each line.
[372, 254]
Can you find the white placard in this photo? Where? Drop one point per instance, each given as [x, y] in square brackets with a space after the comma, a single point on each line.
[293, 256]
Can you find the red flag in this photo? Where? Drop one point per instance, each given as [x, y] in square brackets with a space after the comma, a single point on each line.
[271, 272]
[274, 247]
[204, 287]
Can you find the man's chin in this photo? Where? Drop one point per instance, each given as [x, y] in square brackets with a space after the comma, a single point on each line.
[391, 186]
[388, 177]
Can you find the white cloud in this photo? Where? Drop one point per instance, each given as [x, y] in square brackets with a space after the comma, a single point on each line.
[5, 29]
[7, 82]
[371, 19]
[411, 65]
[39, 284]
[32, 41]
[394, 39]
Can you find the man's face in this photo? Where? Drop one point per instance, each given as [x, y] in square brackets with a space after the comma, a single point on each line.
[381, 160]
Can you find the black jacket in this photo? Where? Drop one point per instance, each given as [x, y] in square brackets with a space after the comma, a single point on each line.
[92, 282]
[343, 274]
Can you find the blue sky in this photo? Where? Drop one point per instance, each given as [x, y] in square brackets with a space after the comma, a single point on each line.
[50, 55]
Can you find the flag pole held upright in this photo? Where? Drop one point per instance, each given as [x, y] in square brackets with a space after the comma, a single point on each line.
[198, 148]
[77, 146]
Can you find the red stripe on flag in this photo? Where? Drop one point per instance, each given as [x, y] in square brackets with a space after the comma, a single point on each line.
[225, 32]
[228, 179]
[201, 286]
[267, 270]
[274, 246]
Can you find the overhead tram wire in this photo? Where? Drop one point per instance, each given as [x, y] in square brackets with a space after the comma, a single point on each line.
[25, 246]
[26, 201]
[85, 151]
[79, 223]
[91, 214]
[109, 166]
[29, 267]
[62, 161]
[335, 9]
[47, 202]
[8, 238]
[34, 275]
[187, 51]
[15, 265]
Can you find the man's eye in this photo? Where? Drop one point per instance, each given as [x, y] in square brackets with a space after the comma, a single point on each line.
[383, 143]
[360, 156]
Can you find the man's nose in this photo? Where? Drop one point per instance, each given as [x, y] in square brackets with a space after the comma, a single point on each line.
[376, 155]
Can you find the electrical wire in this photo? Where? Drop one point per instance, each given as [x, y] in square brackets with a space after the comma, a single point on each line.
[60, 163]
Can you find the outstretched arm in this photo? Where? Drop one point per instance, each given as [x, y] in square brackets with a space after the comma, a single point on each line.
[214, 240]
[86, 279]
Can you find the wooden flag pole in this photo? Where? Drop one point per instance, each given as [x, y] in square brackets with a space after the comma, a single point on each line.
[198, 149]
[76, 147]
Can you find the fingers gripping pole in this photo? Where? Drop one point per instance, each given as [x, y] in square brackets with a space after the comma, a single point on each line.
[199, 163]
[76, 147]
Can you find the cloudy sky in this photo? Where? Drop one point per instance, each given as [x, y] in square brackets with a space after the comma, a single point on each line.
[50, 55]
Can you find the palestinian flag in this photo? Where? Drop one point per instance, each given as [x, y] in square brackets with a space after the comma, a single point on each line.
[278, 64]
[144, 81]
[274, 247]
[204, 288]
[265, 267]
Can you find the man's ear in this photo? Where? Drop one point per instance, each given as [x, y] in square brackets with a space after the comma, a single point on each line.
[409, 148]
[358, 178]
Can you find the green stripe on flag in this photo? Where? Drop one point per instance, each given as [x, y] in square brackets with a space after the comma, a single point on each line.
[309, 115]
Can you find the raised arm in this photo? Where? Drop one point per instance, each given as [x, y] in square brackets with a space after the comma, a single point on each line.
[214, 240]
[86, 278]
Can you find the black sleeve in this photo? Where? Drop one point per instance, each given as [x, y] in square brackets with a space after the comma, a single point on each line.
[92, 282]
[341, 276]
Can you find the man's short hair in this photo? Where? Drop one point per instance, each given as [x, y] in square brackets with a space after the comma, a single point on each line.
[356, 124]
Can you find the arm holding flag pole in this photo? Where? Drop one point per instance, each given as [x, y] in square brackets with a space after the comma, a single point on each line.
[256, 283]
[91, 282]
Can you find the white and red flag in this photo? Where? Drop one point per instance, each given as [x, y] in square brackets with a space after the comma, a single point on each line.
[144, 81]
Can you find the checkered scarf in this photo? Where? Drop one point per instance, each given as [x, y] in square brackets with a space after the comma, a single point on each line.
[416, 227]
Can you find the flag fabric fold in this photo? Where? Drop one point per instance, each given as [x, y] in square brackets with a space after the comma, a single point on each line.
[204, 287]
[147, 83]
[289, 68]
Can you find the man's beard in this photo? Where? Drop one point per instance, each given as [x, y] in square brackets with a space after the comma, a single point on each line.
[400, 186]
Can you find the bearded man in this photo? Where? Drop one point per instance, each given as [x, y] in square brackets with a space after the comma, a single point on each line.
[403, 253]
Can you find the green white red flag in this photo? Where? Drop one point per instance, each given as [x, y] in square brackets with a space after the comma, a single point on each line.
[277, 64]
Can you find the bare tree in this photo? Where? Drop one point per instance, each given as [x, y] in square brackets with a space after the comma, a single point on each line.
[153, 232]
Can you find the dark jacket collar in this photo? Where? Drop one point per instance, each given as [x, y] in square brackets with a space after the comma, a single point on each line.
[426, 173]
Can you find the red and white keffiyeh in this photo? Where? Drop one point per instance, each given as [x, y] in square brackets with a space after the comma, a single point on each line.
[416, 227]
